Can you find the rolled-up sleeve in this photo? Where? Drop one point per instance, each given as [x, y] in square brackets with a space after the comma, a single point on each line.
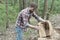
[37, 17]
[25, 20]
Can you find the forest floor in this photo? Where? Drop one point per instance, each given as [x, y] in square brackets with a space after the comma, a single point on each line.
[11, 34]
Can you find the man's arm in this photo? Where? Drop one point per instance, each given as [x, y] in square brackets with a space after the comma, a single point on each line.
[37, 17]
[26, 24]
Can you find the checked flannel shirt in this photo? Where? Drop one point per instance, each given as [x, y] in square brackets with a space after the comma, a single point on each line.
[24, 17]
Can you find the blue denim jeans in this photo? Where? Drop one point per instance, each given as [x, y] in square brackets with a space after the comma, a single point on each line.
[19, 32]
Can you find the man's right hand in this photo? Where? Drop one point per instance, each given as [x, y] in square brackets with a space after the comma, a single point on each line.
[35, 27]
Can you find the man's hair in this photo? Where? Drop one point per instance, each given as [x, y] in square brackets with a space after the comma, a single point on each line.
[34, 5]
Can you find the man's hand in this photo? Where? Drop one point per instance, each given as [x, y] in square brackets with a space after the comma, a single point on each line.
[38, 26]
[35, 27]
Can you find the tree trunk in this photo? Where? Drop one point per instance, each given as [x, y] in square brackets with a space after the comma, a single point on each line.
[31, 1]
[7, 25]
[51, 9]
[11, 2]
[1, 1]
[24, 4]
[15, 1]
[52, 4]
[20, 5]
[38, 6]
[45, 9]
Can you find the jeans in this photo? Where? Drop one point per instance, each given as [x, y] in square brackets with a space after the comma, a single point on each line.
[19, 32]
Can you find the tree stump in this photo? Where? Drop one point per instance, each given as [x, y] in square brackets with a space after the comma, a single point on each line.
[47, 30]
[44, 39]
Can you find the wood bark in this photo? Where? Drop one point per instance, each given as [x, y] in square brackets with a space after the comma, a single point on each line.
[51, 9]
[7, 21]
[45, 9]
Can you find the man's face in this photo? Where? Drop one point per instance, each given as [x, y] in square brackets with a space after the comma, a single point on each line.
[31, 9]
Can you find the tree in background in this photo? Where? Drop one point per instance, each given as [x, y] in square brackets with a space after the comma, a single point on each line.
[7, 25]
[51, 9]
[15, 1]
[24, 4]
[44, 15]
[20, 5]
[38, 6]
[0, 1]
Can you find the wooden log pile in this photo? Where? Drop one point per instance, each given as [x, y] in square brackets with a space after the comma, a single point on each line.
[47, 32]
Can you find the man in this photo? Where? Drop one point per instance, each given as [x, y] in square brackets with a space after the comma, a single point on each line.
[23, 20]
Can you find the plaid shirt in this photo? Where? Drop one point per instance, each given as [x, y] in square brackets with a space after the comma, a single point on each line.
[24, 17]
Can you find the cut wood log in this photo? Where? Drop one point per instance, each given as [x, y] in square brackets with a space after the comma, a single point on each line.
[45, 29]
[51, 31]
[41, 31]
[44, 39]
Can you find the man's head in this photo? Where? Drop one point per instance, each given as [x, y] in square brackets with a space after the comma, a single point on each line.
[32, 7]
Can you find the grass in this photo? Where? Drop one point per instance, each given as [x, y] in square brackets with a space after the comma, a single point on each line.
[2, 18]
[30, 31]
[12, 14]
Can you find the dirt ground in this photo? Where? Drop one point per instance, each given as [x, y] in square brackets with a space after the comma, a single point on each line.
[11, 34]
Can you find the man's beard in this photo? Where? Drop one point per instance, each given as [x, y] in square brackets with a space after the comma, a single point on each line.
[30, 11]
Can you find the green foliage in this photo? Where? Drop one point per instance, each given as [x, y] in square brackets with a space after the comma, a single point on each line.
[40, 6]
[13, 10]
[2, 17]
[12, 13]
[56, 6]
